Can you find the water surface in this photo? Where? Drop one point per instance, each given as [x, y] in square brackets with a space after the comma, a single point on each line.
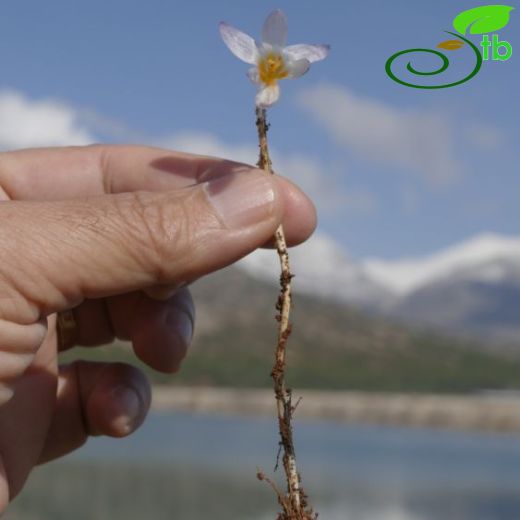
[182, 466]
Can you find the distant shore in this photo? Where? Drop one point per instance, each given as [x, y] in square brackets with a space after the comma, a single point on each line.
[493, 412]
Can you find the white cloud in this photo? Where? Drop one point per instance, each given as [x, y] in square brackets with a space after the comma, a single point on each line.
[322, 268]
[101, 125]
[28, 123]
[317, 180]
[417, 140]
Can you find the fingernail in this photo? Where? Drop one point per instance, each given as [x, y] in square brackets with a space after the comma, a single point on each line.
[182, 323]
[6, 393]
[242, 199]
[128, 402]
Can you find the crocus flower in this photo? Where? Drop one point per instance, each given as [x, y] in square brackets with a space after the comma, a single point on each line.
[272, 60]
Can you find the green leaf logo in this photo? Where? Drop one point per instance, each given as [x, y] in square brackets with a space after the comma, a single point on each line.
[481, 20]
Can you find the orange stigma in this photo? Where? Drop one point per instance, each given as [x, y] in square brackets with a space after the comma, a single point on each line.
[271, 68]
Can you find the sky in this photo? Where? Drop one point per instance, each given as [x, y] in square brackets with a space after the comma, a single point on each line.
[395, 171]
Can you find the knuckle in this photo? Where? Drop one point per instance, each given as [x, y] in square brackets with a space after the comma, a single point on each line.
[18, 346]
[161, 229]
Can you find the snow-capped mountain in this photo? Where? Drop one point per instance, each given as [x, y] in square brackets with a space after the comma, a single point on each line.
[473, 286]
[486, 258]
[323, 269]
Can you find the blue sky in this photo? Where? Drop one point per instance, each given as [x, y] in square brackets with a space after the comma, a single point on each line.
[395, 171]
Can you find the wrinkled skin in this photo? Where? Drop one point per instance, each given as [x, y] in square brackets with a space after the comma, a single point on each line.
[115, 233]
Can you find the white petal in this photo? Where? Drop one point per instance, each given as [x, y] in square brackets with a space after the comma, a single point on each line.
[275, 29]
[297, 68]
[267, 96]
[253, 75]
[309, 52]
[239, 43]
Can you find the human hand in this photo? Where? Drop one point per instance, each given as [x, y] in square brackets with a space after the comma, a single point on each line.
[114, 233]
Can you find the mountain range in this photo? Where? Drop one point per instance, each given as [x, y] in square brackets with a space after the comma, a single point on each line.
[348, 329]
[471, 288]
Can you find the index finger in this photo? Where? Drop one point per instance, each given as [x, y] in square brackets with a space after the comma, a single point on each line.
[74, 172]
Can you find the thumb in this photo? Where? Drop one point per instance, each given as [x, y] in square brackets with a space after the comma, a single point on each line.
[57, 253]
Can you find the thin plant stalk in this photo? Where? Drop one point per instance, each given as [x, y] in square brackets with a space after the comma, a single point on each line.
[294, 504]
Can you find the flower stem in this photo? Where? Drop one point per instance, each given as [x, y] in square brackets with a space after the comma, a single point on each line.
[295, 503]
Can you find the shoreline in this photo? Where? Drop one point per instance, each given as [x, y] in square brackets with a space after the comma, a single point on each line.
[493, 412]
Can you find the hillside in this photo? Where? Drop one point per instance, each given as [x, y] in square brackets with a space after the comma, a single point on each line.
[469, 289]
[332, 347]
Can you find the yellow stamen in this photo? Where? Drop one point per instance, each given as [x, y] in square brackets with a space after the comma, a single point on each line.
[271, 68]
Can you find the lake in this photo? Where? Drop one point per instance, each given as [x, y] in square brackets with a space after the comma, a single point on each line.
[184, 466]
